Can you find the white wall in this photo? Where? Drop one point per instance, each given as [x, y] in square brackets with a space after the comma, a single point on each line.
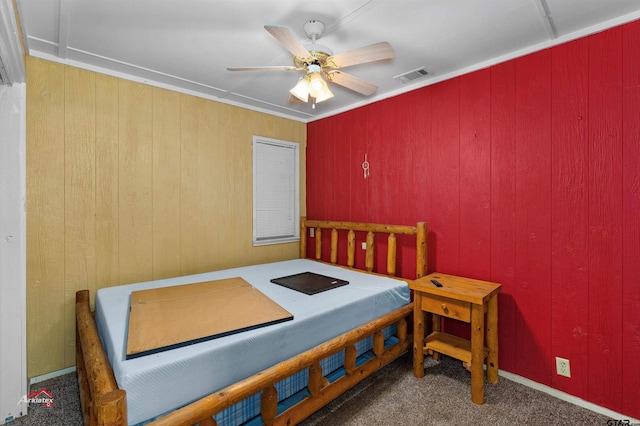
[13, 267]
[13, 348]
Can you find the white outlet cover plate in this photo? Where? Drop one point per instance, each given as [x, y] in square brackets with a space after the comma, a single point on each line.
[563, 367]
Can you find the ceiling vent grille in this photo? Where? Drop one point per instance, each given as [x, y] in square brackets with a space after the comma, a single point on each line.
[412, 76]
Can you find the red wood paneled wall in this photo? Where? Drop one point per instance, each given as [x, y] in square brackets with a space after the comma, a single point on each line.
[528, 173]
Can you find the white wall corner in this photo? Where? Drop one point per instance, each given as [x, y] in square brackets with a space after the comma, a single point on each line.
[13, 365]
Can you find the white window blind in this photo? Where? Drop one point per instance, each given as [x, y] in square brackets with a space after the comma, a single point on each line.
[276, 191]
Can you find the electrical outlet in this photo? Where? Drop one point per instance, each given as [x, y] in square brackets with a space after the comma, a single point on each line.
[312, 232]
[563, 368]
[364, 246]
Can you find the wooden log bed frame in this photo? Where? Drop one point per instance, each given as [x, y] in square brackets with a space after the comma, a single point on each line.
[103, 403]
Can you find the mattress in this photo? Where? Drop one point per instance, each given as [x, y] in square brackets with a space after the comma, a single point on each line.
[160, 382]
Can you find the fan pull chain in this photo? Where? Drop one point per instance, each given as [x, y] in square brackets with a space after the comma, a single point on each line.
[365, 167]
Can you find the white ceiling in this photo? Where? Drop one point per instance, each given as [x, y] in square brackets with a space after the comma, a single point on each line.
[187, 45]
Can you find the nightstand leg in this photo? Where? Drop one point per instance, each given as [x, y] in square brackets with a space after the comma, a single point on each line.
[418, 336]
[477, 354]
[492, 339]
[436, 325]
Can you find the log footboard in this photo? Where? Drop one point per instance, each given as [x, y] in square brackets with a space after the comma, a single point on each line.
[104, 404]
[322, 392]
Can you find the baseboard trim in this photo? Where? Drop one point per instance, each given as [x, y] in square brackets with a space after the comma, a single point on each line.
[51, 375]
[566, 397]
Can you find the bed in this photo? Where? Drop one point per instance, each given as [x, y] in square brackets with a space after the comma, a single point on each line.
[279, 374]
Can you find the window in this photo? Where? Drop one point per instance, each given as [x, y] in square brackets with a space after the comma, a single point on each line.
[276, 191]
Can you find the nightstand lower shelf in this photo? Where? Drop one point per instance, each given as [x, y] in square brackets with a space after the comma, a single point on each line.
[453, 346]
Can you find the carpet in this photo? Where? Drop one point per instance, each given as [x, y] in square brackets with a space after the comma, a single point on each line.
[392, 396]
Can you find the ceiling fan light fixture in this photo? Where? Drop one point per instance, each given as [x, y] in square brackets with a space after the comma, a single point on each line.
[312, 86]
[318, 88]
[301, 89]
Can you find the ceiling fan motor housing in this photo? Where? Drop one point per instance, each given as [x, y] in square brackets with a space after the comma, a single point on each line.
[313, 29]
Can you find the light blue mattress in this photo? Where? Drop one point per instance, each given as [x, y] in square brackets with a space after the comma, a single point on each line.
[163, 381]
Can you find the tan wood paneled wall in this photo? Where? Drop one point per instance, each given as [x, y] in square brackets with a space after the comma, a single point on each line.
[126, 183]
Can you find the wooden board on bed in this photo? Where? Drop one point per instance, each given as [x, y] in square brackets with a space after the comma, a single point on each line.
[169, 317]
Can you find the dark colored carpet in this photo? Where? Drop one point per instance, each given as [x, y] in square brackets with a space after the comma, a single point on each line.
[393, 396]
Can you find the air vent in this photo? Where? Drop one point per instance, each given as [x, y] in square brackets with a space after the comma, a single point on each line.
[4, 76]
[412, 76]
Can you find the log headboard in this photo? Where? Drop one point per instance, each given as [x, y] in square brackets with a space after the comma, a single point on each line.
[419, 231]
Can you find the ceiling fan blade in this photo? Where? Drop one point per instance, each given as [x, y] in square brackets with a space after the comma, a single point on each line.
[375, 52]
[352, 83]
[263, 68]
[288, 40]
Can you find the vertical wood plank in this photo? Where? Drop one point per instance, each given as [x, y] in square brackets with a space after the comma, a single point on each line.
[413, 173]
[135, 159]
[319, 158]
[444, 168]
[199, 191]
[79, 195]
[533, 203]
[338, 167]
[631, 231]
[503, 196]
[237, 177]
[107, 181]
[359, 194]
[422, 172]
[406, 132]
[569, 207]
[166, 184]
[383, 161]
[475, 177]
[45, 217]
[604, 180]
[315, 148]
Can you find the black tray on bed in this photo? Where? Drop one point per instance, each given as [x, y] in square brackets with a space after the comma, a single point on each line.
[309, 282]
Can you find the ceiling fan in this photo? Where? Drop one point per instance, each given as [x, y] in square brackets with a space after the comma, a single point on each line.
[319, 63]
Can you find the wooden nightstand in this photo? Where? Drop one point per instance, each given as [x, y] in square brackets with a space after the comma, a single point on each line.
[466, 300]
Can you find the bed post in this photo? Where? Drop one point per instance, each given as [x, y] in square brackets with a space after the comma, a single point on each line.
[102, 402]
[303, 237]
[421, 249]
